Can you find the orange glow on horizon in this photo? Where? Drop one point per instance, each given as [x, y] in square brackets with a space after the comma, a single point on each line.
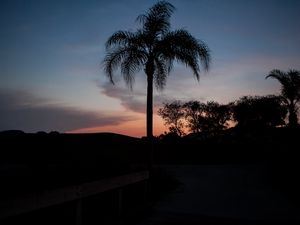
[136, 128]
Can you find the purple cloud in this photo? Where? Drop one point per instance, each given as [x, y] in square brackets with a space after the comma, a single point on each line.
[134, 100]
[23, 111]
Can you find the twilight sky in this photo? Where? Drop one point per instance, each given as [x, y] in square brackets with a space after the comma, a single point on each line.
[51, 51]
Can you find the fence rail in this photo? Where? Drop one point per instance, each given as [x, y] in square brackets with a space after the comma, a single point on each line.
[42, 199]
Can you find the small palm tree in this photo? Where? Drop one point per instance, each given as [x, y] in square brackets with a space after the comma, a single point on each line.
[153, 48]
[290, 91]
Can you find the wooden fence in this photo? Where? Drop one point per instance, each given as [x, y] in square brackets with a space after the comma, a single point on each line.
[34, 201]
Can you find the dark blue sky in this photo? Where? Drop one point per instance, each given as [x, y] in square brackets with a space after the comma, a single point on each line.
[51, 50]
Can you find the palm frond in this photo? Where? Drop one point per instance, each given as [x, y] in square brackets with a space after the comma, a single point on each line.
[162, 8]
[180, 45]
[157, 20]
[119, 38]
[169, 64]
[129, 58]
[127, 50]
[290, 83]
[126, 38]
[277, 74]
[190, 61]
[155, 42]
[161, 73]
[204, 55]
[111, 62]
[132, 64]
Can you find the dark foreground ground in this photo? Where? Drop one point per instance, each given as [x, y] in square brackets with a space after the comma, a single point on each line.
[235, 177]
[223, 194]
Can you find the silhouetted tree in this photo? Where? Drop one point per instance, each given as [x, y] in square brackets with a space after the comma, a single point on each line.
[172, 114]
[193, 113]
[259, 111]
[206, 117]
[216, 117]
[153, 48]
[290, 91]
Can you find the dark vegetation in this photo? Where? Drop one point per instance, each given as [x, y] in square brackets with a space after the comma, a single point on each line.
[258, 133]
[41, 160]
[249, 112]
[44, 161]
[154, 47]
[290, 92]
[252, 129]
[276, 148]
[37, 161]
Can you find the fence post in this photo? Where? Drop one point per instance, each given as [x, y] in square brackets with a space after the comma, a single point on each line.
[78, 211]
[120, 201]
[31, 202]
[145, 191]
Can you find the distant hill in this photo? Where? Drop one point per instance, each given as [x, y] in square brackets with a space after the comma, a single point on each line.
[53, 159]
[40, 160]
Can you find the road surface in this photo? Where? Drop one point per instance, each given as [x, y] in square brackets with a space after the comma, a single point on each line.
[223, 194]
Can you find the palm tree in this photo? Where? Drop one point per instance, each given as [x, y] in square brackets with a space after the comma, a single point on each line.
[153, 48]
[290, 91]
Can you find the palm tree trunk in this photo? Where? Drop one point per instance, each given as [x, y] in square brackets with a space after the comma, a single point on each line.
[150, 72]
[293, 120]
[150, 105]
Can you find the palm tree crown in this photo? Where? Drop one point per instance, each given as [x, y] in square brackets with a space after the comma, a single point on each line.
[290, 91]
[154, 48]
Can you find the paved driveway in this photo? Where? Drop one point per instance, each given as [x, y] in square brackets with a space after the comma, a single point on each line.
[223, 194]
